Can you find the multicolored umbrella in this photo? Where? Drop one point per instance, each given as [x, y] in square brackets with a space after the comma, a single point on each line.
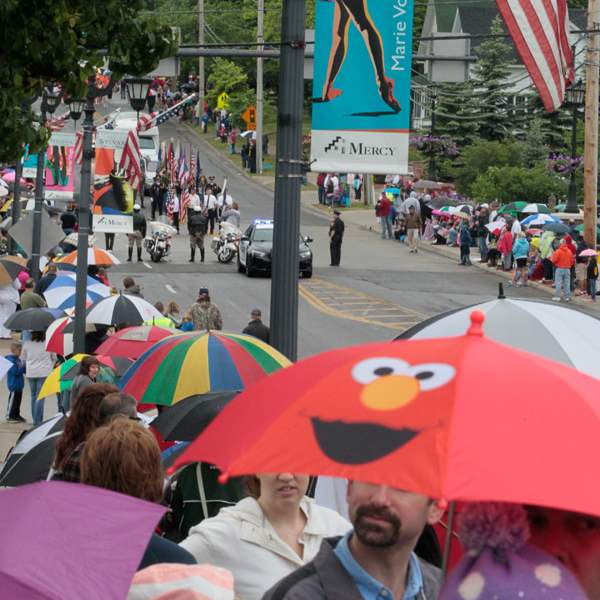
[512, 207]
[189, 364]
[61, 292]
[536, 209]
[539, 219]
[61, 378]
[10, 267]
[428, 416]
[57, 340]
[132, 342]
[96, 256]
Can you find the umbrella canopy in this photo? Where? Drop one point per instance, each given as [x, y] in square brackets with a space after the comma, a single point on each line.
[48, 527]
[424, 184]
[544, 328]
[122, 309]
[466, 208]
[579, 229]
[57, 340]
[61, 292]
[132, 342]
[536, 209]
[512, 208]
[31, 457]
[184, 421]
[559, 228]
[560, 207]
[499, 224]
[588, 252]
[73, 238]
[96, 256]
[539, 219]
[429, 416]
[10, 267]
[195, 363]
[33, 319]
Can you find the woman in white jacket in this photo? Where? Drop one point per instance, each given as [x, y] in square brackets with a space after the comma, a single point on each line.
[266, 536]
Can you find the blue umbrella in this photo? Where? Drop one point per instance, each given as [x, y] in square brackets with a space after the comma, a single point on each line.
[61, 292]
[540, 219]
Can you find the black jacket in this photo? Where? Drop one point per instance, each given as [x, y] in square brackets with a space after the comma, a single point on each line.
[197, 223]
[337, 227]
[325, 578]
[259, 330]
[44, 283]
[139, 223]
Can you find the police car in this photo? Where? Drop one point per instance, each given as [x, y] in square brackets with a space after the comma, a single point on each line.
[256, 244]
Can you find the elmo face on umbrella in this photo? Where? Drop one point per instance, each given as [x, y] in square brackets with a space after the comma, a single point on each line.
[388, 404]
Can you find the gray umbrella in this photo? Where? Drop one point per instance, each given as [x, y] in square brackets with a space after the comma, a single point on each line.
[550, 330]
[559, 228]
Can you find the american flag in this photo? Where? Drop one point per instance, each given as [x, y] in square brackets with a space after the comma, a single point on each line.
[78, 149]
[56, 123]
[540, 29]
[130, 161]
[175, 110]
[146, 122]
[183, 170]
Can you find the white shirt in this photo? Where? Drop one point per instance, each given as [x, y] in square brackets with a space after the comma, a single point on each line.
[516, 227]
[194, 200]
[38, 361]
[242, 540]
[175, 202]
[210, 201]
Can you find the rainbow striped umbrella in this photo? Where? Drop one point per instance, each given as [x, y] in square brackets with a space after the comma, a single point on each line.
[189, 364]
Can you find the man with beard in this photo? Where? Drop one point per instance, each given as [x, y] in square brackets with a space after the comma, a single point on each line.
[573, 539]
[376, 559]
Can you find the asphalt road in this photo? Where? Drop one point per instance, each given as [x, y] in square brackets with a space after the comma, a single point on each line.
[373, 272]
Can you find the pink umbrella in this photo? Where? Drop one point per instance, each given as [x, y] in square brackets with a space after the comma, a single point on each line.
[10, 178]
[588, 252]
[101, 535]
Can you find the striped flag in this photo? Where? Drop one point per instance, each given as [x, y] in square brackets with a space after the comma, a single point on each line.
[198, 170]
[56, 123]
[146, 122]
[539, 29]
[130, 161]
[78, 148]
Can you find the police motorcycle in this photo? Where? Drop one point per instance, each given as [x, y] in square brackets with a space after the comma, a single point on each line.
[225, 245]
[158, 240]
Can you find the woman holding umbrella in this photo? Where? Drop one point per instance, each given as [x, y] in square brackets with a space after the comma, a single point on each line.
[89, 368]
[38, 365]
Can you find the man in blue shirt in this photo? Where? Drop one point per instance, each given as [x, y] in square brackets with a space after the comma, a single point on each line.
[374, 561]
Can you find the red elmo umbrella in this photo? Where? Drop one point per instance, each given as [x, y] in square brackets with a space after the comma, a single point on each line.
[462, 418]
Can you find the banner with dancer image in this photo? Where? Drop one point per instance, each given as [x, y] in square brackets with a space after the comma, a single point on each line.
[361, 86]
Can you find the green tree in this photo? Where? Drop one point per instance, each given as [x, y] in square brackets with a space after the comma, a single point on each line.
[454, 113]
[479, 157]
[509, 183]
[64, 41]
[535, 150]
[489, 84]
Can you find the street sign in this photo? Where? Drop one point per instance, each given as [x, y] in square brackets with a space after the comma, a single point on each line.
[22, 233]
[249, 117]
[223, 100]
[111, 138]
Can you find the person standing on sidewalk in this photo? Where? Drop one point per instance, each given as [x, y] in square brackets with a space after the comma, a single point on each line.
[38, 364]
[592, 277]
[383, 210]
[15, 381]
[465, 244]
[336, 235]
[482, 233]
[413, 229]
[563, 260]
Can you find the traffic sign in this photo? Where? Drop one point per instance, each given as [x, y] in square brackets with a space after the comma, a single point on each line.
[249, 117]
[223, 100]
[22, 233]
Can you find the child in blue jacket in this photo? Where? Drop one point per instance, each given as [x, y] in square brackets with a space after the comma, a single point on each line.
[15, 380]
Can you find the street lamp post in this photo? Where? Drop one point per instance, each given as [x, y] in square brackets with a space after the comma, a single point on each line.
[137, 92]
[575, 97]
[432, 165]
[50, 102]
[76, 106]
[84, 208]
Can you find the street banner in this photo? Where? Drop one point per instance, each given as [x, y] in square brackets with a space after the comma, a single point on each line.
[60, 167]
[113, 198]
[361, 86]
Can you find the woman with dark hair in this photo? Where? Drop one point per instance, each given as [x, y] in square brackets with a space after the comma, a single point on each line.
[89, 368]
[124, 457]
[38, 365]
[266, 536]
[83, 419]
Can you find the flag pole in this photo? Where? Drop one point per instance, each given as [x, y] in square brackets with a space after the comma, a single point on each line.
[590, 151]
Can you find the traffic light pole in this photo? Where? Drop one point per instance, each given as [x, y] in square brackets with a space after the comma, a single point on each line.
[288, 180]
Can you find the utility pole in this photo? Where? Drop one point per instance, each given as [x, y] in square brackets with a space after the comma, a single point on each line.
[288, 179]
[36, 240]
[590, 152]
[432, 165]
[260, 33]
[201, 90]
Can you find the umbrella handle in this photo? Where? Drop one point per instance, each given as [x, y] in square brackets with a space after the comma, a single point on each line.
[201, 490]
[448, 539]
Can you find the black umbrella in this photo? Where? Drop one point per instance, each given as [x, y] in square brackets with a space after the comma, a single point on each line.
[559, 228]
[185, 420]
[33, 319]
[31, 466]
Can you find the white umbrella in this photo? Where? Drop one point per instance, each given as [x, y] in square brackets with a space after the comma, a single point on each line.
[539, 219]
[61, 292]
[499, 224]
[122, 309]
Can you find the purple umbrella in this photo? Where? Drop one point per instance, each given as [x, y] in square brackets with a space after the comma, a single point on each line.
[71, 541]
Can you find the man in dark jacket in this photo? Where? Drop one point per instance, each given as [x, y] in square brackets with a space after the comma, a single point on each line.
[45, 282]
[139, 233]
[257, 328]
[336, 235]
[197, 225]
[376, 558]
